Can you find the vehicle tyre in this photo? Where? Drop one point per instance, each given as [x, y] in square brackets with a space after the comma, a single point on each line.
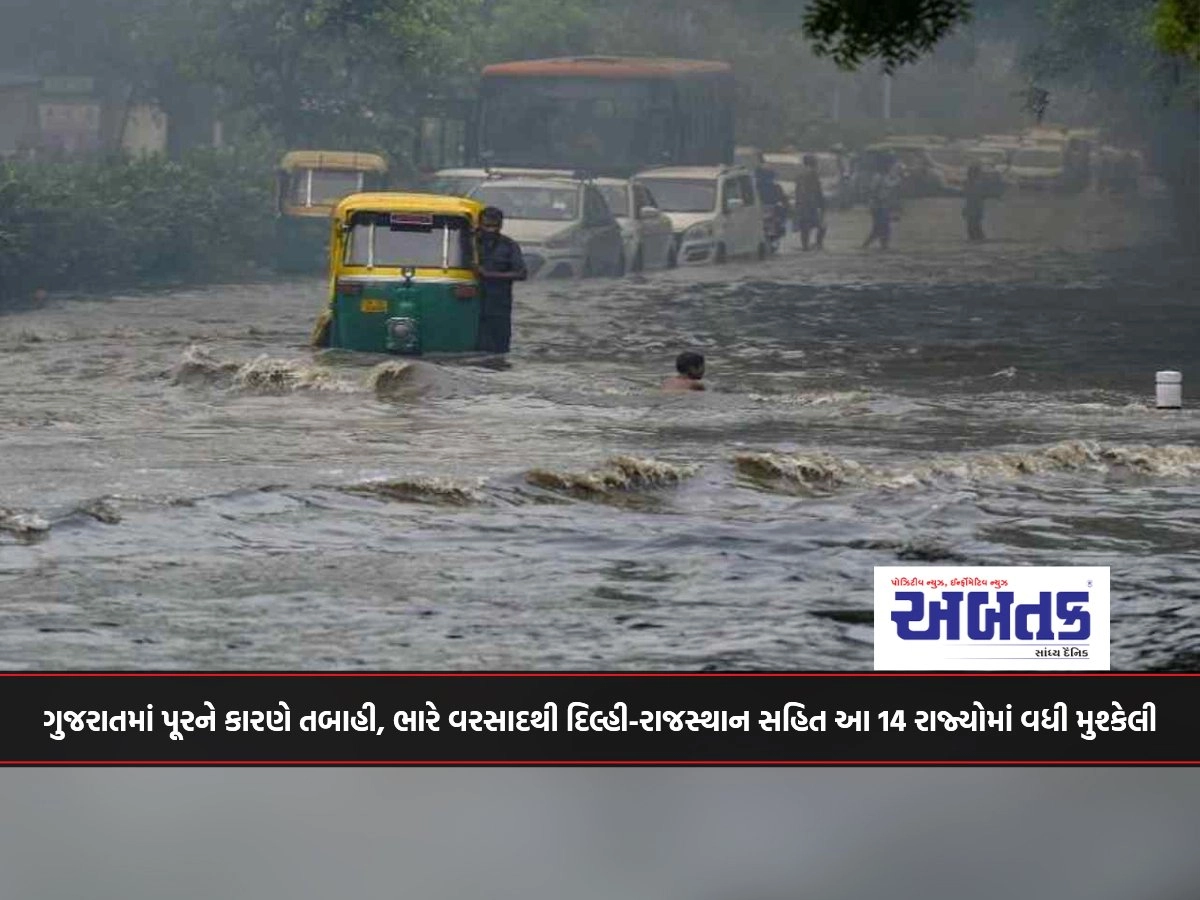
[638, 262]
[720, 256]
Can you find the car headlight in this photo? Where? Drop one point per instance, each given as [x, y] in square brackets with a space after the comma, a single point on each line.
[562, 240]
[698, 232]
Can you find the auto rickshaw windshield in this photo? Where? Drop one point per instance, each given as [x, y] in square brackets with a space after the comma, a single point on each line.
[423, 241]
[322, 187]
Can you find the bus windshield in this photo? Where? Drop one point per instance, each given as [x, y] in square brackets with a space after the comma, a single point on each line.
[585, 123]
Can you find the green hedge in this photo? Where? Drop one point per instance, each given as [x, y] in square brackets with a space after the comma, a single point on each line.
[105, 223]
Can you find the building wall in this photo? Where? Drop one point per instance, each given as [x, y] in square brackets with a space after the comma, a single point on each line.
[18, 118]
[145, 131]
[70, 126]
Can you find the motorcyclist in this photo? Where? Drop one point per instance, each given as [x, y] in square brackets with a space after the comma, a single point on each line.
[773, 198]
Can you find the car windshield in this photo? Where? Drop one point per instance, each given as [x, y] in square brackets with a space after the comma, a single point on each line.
[323, 187]
[408, 239]
[1038, 159]
[454, 185]
[617, 198]
[684, 195]
[950, 156]
[551, 204]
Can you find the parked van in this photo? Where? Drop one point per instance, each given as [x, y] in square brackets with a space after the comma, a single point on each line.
[715, 211]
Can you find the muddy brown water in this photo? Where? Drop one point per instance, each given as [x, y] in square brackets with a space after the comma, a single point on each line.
[184, 483]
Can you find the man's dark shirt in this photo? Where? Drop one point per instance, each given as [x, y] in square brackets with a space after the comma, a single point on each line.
[499, 253]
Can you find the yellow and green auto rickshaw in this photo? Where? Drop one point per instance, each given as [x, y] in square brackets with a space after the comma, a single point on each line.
[310, 183]
[403, 275]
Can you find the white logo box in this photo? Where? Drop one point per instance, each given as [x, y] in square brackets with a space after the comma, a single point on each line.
[1021, 618]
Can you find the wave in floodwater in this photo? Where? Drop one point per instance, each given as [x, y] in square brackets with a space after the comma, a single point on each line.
[268, 375]
[432, 490]
[620, 475]
[822, 472]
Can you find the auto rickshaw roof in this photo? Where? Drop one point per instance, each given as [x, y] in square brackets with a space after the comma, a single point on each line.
[396, 201]
[346, 160]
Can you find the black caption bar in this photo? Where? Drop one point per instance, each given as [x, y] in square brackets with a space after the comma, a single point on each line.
[597, 719]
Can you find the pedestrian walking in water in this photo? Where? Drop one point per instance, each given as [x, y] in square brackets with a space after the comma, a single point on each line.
[879, 201]
[975, 192]
[810, 204]
[690, 367]
[500, 264]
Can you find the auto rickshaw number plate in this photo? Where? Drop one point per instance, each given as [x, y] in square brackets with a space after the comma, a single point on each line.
[373, 306]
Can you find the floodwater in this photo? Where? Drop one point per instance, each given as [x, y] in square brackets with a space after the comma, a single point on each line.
[185, 483]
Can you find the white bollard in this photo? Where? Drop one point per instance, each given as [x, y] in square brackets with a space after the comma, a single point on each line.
[1168, 390]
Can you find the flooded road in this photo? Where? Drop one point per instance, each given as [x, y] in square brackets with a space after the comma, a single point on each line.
[185, 483]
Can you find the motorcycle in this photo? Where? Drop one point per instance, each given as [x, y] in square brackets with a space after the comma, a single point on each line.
[775, 217]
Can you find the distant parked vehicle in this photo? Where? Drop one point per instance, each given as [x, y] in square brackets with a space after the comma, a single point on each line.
[832, 169]
[1038, 168]
[924, 176]
[309, 184]
[714, 210]
[563, 225]
[460, 182]
[646, 229]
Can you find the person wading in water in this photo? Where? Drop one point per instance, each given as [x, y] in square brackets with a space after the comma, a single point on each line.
[690, 367]
[500, 264]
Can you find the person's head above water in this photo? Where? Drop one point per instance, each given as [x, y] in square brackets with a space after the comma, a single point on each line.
[491, 218]
[690, 365]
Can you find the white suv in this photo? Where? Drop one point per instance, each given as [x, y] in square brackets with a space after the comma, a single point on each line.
[714, 210]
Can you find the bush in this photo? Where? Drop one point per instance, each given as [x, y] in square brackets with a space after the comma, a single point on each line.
[113, 222]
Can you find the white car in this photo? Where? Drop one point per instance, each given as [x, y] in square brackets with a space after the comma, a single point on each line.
[460, 182]
[647, 231]
[714, 211]
[563, 225]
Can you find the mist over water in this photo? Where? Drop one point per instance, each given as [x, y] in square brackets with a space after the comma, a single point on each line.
[187, 484]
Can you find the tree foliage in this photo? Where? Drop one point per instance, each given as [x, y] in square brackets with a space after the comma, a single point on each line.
[1176, 28]
[895, 32]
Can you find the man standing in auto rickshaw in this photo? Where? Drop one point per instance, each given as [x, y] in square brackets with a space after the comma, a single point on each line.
[500, 264]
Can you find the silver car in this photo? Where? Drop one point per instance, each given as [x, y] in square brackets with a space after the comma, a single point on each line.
[563, 225]
[649, 237]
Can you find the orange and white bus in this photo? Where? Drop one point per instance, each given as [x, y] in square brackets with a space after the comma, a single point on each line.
[611, 115]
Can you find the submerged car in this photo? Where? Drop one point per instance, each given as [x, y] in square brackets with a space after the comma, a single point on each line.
[647, 231]
[714, 210]
[563, 225]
